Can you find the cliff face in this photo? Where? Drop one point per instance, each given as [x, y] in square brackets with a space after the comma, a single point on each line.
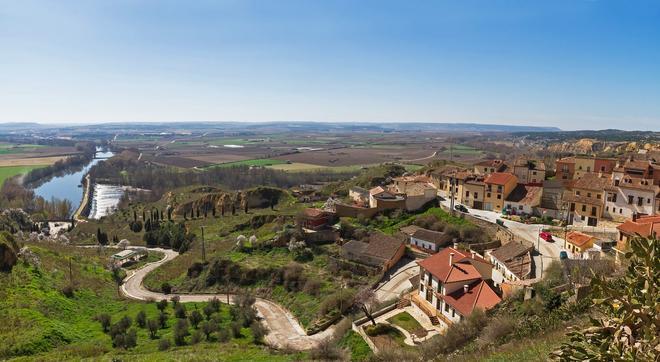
[588, 146]
[259, 197]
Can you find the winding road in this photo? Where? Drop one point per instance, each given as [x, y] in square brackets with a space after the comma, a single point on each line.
[284, 331]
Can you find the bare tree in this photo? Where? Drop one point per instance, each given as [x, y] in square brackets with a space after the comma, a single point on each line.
[366, 300]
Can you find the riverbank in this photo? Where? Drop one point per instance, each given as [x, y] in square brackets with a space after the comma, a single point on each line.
[87, 184]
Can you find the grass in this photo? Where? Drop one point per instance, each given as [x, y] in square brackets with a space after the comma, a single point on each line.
[152, 256]
[392, 225]
[409, 323]
[354, 342]
[11, 171]
[41, 323]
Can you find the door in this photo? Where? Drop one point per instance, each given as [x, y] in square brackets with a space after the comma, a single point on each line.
[592, 221]
[478, 205]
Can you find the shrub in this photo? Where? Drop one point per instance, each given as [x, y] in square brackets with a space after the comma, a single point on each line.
[161, 305]
[496, 330]
[312, 287]
[328, 350]
[166, 288]
[68, 291]
[105, 321]
[195, 317]
[378, 329]
[196, 337]
[162, 319]
[175, 301]
[208, 328]
[163, 345]
[223, 335]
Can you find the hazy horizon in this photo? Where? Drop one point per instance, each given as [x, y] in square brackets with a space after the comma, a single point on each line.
[567, 64]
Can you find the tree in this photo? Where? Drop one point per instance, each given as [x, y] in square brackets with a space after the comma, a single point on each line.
[153, 325]
[175, 301]
[629, 328]
[118, 277]
[195, 318]
[180, 311]
[208, 328]
[161, 305]
[180, 332]
[141, 319]
[258, 331]
[366, 299]
[162, 319]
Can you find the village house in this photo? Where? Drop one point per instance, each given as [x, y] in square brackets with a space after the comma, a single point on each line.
[639, 225]
[578, 243]
[512, 262]
[379, 193]
[565, 168]
[628, 196]
[529, 171]
[454, 283]
[489, 166]
[381, 251]
[552, 199]
[644, 169]
[316, 219]
[359, 196]
[473, 192]
[524, 199]
[428, 240]
[498, 186]
[128, 256]
[419, 194]
[586, 199]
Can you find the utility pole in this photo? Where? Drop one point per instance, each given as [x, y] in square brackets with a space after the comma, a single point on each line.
[451, 200]
[203, 246]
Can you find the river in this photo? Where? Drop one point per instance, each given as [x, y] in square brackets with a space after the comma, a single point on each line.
[68, 186]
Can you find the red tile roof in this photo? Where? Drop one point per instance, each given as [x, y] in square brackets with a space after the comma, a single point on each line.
[461, 268]
[577, 238]
[499, 178]
[478, 296]
[644, 226]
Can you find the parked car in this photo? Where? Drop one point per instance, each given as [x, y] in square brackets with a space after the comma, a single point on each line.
[461, 208]
[563, 255]
[546, 236]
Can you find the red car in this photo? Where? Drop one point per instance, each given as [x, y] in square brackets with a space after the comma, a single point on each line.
[545, 236]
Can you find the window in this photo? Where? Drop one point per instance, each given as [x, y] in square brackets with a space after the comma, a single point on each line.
[588, 168]
[488, 194]
[453, 312]
[499, 196]
[588, 194]
[499, 188]
[614, 197]
[520, 207]
[620, 211]
[476, 195]
[467, 193]
[630, 199]
[577, 193]
[534, 173]
[593, 211]
[607, 208]
[446, 307]
[648, 201]
[602, 168]
[640, 201]
[584, 207]
[485, 169]
[598, 196]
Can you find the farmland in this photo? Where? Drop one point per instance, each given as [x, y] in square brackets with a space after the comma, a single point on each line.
[11, 171]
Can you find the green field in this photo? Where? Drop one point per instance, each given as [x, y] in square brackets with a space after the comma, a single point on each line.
[10, 171]
[8, 148]
[308, 167]
[254, 162]
[458, 150]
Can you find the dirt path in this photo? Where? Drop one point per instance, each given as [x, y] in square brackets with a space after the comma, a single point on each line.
[85, 200]
[284, 331]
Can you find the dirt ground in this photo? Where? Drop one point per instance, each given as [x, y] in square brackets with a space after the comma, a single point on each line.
[6, 160]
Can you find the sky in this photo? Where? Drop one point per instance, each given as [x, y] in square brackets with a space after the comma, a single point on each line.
[578, 64]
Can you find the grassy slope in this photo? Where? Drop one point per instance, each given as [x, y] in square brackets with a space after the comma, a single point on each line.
[41, 323]
[356, 345]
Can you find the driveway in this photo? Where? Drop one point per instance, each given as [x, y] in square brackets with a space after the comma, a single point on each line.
[284, 331]
[396, 282]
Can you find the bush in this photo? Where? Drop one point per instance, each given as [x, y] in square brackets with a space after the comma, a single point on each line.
[328, 350]
[162, 305]
[312, 287]
[496, 330]
[153, 326]
[378, 329]
[223, 335]
[166, 288]
[196, 337]
[195, 318]
[68, 291]
[105, 321]
[164, 345]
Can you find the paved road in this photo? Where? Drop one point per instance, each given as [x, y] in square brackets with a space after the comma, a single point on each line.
[284, 329]
[545, 251]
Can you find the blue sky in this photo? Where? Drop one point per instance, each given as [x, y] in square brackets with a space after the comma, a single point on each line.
[573, 64]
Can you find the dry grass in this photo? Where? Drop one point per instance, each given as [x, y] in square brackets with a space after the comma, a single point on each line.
[29, 161]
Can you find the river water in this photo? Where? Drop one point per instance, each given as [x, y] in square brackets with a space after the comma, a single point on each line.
[106, 197]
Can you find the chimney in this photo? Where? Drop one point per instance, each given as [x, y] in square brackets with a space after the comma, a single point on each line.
[473, 254]
[451, 259]
[465, 288]
[455, 241]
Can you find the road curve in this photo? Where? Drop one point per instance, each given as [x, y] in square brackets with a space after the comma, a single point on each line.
[284, 331]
